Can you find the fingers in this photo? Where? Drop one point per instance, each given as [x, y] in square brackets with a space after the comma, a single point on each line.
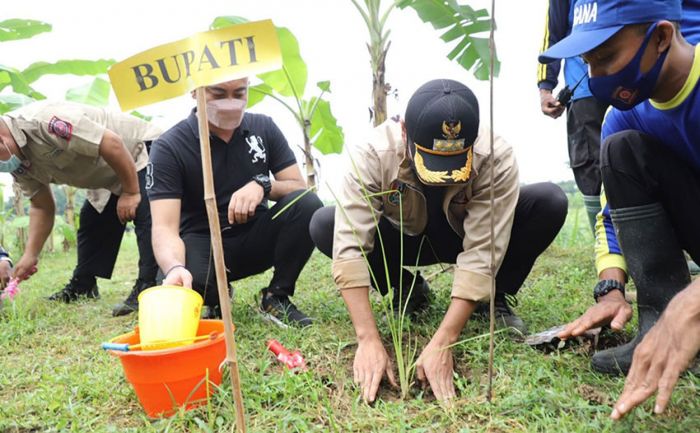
[621, 318]
[666, 385]
[187, 279]
[568, 331]
[374, 386]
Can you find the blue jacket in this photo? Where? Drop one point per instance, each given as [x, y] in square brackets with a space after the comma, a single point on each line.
[558, 23]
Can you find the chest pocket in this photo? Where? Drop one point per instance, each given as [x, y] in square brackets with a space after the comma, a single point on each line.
[405, 205]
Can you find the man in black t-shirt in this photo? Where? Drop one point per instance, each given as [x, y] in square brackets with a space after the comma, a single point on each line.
[245, 150]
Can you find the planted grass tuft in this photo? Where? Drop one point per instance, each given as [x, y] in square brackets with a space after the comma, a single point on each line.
[55, 378]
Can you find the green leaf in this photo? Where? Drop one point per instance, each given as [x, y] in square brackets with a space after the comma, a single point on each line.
[258, 93]
[15, 28]
[461, 23]
[14, 78]
[13, 101]
[324, 85]
[293, 81]
[326, 135]
[225, 21]
[74, 67]
[95, 93]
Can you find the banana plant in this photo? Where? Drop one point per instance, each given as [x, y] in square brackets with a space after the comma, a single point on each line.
[21, 81]
[288, 87]
[461, 24]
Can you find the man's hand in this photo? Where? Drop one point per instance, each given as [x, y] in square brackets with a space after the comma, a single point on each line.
[178, 276]
[435, 366]
[371, 364]
[550, 106]
[126, 206]
[664, 353]
[243, 203]
[25, 267]
[5, 273]
[611, 309]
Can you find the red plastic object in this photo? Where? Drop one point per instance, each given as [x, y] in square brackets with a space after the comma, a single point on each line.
[292, 360]
[165, 380]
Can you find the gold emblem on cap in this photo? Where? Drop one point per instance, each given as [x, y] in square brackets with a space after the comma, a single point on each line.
[450, 130]
[428, 175]
[462, 175]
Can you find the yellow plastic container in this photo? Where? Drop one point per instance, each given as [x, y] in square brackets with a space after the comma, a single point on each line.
[168, 316]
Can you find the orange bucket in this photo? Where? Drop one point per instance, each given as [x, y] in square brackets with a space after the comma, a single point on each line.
[165, 380]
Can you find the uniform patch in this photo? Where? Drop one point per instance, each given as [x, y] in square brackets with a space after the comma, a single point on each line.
[60, 128]
[397, 188]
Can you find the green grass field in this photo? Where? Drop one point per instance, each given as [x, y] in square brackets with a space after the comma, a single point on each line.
[54, 376]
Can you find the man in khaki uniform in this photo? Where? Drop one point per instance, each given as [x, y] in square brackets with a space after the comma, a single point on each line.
[85, 147]
[423, 184]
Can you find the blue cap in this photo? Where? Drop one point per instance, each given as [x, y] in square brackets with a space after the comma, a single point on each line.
[596, 21]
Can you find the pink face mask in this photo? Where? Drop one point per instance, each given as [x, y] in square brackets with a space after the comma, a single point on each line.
[226, 114]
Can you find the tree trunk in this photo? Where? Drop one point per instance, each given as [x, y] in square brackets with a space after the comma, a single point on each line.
[19, 211]
[379, 86]
[309, 160]
[69, 214]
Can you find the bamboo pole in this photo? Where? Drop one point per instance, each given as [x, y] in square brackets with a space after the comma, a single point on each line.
[492, 302]
[218, 251]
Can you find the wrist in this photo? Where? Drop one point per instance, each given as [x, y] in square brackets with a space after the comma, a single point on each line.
[173, 267]
[367, 335]
[264, 182]
[605, 287]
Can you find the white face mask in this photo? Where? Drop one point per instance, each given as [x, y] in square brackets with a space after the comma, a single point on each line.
[226, 114]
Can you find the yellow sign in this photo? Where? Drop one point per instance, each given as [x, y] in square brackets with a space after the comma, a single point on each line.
[206, 58]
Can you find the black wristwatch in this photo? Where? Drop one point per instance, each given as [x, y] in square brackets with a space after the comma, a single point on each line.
[606, 286]
[264, 182]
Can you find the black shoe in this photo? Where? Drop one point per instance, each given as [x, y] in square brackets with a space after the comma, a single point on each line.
[419, 295]
[74, 290]
[280, 310]
[505, 317]
[131, 303]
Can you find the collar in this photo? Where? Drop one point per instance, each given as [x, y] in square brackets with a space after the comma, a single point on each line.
[689, 85]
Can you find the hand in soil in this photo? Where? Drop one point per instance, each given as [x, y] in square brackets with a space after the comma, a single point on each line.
[611, 309]
[664, 353]
[435, 368]
[371, 364]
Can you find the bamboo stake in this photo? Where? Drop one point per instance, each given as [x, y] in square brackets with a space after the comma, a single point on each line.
[218, 251]
[492, 302]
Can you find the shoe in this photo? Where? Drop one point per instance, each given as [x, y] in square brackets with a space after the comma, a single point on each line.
[419, 295]
[74, 290]
[658, 268]
[131, 303]
[505, 317]
[280, 310]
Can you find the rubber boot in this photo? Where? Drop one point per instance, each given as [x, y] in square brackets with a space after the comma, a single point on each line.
[656, 263]
[592, 204]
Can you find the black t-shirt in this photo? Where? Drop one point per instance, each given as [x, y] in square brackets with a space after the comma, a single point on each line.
[175, 168]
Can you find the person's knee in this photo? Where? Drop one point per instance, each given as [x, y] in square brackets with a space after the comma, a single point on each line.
[552, 202]
[305, 204]
[321, 229]
[620, 148]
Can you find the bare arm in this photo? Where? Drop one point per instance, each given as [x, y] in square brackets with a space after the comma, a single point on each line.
[286, 181]
[168, 247]
[114, 152]
[41, 217]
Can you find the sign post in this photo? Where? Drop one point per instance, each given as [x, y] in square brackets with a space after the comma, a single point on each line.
[170, 70]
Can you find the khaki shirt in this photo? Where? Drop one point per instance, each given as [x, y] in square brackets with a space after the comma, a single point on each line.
[380, 169]
[61, 144]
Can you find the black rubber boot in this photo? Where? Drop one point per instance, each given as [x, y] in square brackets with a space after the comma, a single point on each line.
[76, 288]
[592, 205]
[419, 295]
[131, 303]
[656, 263]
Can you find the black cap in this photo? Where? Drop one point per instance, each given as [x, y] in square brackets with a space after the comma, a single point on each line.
[442, 123]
